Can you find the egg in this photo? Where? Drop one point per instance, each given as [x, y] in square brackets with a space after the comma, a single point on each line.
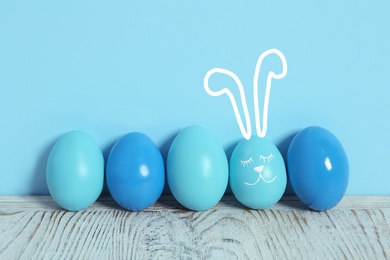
[75, 171]
[197, 169]
[318, 168]
[135, 172]
[257, 173]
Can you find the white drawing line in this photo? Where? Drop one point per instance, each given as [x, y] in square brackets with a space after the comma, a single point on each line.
[272, 180]
[258, 179]
[259, 169]
[252, 184]
[246, 162]
[261, 132]
[267, 158]
[245, 133]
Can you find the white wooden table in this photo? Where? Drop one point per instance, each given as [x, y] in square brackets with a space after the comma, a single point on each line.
[34, 227]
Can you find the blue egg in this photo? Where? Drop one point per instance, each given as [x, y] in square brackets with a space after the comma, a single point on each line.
[257, 173]
[75, 171]
[135, 172]
[317, 168]
[197, 169]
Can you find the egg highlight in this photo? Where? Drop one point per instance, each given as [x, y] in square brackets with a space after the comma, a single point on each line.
[317, 168]
[135, 172]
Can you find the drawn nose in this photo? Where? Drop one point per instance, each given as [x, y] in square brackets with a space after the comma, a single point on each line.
[259, 168]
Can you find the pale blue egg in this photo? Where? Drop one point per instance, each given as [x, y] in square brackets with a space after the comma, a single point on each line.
[75, 171]
[197, 169]
[257, 173]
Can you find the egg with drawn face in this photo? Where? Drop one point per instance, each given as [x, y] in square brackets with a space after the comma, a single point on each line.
[257, 173]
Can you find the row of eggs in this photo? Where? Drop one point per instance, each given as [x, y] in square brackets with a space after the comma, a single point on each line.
[197, 170]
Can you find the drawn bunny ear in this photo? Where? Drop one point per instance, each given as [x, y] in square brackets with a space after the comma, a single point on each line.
[261, 132]
[246, 133]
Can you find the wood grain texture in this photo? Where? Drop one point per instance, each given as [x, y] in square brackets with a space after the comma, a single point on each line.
[36, 228]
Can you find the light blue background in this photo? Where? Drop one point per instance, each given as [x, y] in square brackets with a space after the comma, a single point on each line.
[112, 67]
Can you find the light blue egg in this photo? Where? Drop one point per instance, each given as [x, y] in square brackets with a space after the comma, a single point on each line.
[197, 169]
[257, 173]
[75, 171]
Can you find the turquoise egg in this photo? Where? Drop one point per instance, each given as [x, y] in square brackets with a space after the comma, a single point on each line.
[257, 173]
[75, 171]
[197, 169]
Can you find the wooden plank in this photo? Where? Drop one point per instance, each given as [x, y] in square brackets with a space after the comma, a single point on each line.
[167, 202]
[34, 227]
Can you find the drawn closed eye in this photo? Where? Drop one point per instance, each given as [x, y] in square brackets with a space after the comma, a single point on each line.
[267, 158]
[246, 162]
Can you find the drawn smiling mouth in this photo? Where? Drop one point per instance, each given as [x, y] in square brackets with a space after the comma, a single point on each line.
[259, 169]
